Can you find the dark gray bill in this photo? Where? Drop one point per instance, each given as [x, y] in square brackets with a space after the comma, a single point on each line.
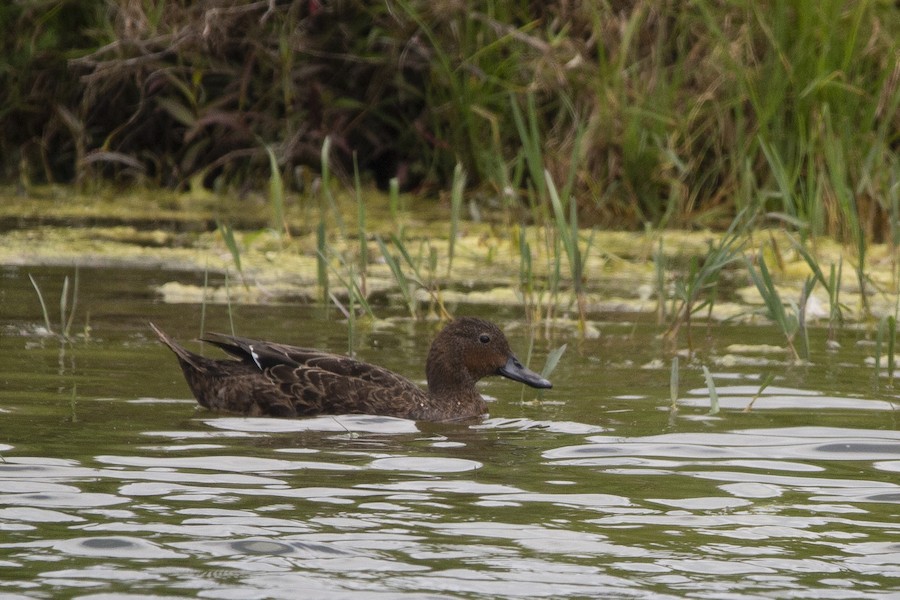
[514, 370]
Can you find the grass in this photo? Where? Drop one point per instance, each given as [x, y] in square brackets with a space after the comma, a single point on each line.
[790, 320]
[885, 343]
[832, 285]
[767, 380]
[713, 393]
[673, 384]
[552, 119]
[407, 284]
[68, 304]
[670, 114]
[696, 289]
[456, 201]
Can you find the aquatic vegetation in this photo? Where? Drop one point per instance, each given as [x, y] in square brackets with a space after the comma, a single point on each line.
[673, 386]
[713, 394]
[885, 343]
[675, 114]
[832, 285]
[407, 284]
[767, 380]
[276, 195]
[456, 201]
[790, 321]
[68, 303]
[696, 289]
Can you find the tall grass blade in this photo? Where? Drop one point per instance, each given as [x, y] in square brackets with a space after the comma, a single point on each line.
[399, 276]
[767, 379]
[227, 233]
[567, 230]
[322, 261]
[276, 195]
[553, 358]
[394, 199]
[789, 324]
[891, 342]
[354, 292]
[63, 302]
[67, 328]
[673, 384]
[659, 267]
[203, 301]
[360, 226]
[713, 394]
[43, 304]
[530, 138]
[456, 201]
[228, 306]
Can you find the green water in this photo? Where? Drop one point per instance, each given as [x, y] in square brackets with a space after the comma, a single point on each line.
[113, 483]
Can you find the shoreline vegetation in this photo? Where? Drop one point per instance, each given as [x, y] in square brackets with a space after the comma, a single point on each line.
[429, 147]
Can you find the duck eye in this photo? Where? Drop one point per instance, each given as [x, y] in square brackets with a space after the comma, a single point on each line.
[484, 338]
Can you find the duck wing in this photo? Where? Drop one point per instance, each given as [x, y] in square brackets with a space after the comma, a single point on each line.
[317, 382]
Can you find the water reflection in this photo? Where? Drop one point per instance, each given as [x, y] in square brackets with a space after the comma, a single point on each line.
[767, 510]
[593, 492]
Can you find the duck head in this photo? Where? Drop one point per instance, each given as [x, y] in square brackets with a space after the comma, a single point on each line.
[468, 349]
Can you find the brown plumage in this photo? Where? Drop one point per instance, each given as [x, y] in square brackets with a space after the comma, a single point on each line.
[286, 381]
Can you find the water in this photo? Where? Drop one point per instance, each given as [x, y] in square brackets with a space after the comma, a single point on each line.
[113, 484]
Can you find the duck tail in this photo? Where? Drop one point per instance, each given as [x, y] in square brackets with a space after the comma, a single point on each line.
[183, 354]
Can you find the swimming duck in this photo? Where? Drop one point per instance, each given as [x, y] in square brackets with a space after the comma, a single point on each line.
[286, 381]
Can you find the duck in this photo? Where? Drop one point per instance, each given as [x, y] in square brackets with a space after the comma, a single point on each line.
[278, 380]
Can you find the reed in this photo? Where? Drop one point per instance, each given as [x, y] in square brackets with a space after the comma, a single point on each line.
[885, 342]
[790, 322]
[659, 270]
[73, 403]
[891, 347]
[68, 304]
[456, 201]
[832, 285]
[229, 307]
[698, 110]
[227, 233]
[673, 385]
[713, 393]
[322, 261]
[567, 231]
[399, 277]
[44, 311]
[203, 299]
[526, 275]
[361, 234]
[276, 195]
[768, 378]
[355, 295]
[407, 283]
[696, 289]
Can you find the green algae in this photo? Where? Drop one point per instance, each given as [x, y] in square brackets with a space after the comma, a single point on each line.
[164, 230]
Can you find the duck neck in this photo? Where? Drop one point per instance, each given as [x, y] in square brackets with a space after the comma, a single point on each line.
[450, 384]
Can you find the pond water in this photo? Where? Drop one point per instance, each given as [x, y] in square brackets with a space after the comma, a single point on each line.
[114, 484]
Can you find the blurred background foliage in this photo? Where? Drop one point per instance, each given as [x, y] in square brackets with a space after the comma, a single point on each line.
[662, 112]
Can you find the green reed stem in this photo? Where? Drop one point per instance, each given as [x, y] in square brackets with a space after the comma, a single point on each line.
[767, 379]
[360, 226]
[322, 261]
[456, 200]
[399, 277]
[43, 304]
[673, 384]
[713, 393]
[276, 195]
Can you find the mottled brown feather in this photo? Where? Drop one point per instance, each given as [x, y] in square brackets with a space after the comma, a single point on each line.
[288, 381]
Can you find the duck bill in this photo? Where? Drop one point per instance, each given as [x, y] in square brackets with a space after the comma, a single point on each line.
[514, 370]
